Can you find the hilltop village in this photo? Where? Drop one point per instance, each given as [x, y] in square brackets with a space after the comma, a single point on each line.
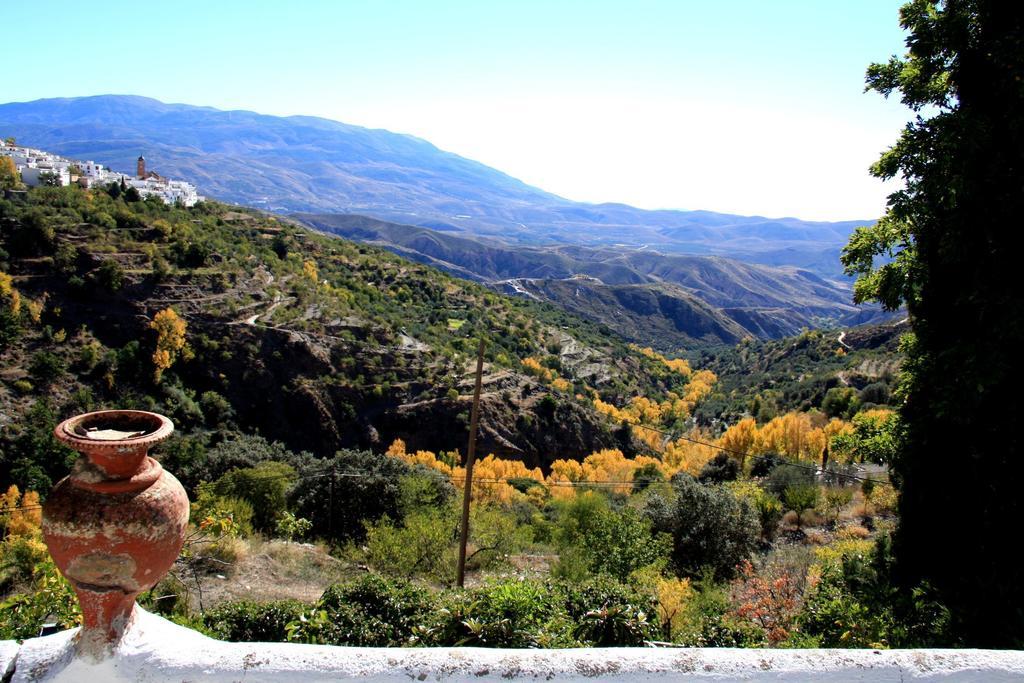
[37, 167]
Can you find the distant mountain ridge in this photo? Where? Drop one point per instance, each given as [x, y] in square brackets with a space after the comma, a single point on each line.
[666, 301]
[303, 163]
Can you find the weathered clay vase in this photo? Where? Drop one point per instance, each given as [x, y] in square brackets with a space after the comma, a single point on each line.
[116, 524]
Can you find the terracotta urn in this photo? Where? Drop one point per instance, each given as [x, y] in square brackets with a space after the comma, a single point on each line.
[116, 524]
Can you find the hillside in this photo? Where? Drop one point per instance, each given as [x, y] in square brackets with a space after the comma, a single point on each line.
[303, 163]
[311, 340]
[275, 349]
[665, 301]
[839, 371]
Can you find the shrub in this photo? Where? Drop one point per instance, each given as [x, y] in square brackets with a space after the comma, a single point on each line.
[801, 497]
[46, 368]
[264, 487]
[876, 392]
[769, 513]
[291, 527]
[420, 545]
[619, 543]
[710, 527]
[247, 621]
[580, 597]
[372, 611]
[50, 600]
[495, 533]
[645, 475]
[615, 626]
[21, 558]
[517, 614]
[194, 463]
[719, 469]
[217, 410]
[337, 505]
[835, 499]
[109, 276]
[855, 604]
[762, 465]
[840, 402]
[853, 532]
[208, 507]
[767, 600]
[788, 475]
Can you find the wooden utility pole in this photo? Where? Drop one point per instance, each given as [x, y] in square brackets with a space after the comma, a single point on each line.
[474, 420]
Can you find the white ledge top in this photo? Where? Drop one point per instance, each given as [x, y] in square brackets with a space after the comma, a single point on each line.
[154, 650]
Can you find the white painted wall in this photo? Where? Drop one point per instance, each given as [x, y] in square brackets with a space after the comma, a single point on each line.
[157, 651]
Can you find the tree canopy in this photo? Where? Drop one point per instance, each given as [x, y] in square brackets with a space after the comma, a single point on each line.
[948, 248]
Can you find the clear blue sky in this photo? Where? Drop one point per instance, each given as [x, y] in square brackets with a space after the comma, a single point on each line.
[744, 106]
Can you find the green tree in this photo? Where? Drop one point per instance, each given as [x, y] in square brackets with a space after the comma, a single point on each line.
[949, 249]
[264, 486]
[711, 528]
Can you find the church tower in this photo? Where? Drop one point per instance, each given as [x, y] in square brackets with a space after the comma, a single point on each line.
[141, 167]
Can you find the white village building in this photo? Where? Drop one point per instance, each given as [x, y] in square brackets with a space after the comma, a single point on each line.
[37, 167]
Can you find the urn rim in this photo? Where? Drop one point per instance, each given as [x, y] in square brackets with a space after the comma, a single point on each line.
[154, 428]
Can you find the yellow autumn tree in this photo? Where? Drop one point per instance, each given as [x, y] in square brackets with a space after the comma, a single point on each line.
[689, 454]
[20, 513]
[563, 473]
[800, 436]
[533, 367]
[170, 341]
[676, 364]
[309, 271]
[699, 386]
[9, 297]
[674, 598]
[490, 479]
[426, 458]
[559, 384]
[739, 439]
[9, 176]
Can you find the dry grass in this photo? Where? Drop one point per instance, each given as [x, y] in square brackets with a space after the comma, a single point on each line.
[269, 570]
[815, 537]
[853, 531]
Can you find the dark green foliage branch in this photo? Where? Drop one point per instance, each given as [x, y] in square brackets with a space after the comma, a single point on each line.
[951, 245]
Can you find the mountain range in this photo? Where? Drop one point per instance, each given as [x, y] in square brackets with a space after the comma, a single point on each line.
[303, 163]
[648, 272]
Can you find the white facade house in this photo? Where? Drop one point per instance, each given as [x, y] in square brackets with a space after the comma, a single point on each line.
[33, 175]
[34, 163]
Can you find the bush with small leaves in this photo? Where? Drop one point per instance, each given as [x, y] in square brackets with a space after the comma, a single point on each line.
[51, 600]
[514, 614]
[253, 622]
[369, 612]
[856, 604]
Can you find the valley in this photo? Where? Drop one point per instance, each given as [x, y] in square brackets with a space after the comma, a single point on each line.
[670, 302]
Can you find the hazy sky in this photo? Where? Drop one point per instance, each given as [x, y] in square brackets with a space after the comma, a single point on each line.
[742, 106]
